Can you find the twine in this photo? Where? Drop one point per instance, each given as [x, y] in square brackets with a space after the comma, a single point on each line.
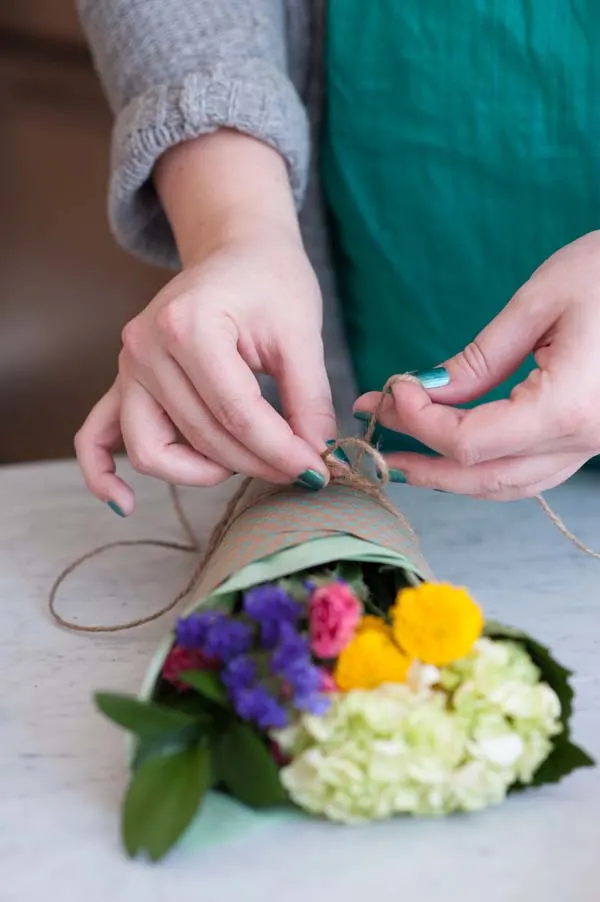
[339, 473]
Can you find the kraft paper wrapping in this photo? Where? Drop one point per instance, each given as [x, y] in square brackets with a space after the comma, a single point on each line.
[266, 524]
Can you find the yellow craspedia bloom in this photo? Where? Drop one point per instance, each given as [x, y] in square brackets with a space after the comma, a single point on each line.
[371, 658]
[436, 623]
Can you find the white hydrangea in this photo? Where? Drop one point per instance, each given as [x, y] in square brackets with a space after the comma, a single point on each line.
[448, 740]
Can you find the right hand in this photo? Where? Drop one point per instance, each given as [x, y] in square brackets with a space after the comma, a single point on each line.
[187, 369]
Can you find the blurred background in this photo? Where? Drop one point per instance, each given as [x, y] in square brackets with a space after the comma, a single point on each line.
[66, 290]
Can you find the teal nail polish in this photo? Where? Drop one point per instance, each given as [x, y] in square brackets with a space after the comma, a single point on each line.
[339, 453]
[362, 415]
[397, 476]
[115, 508]
[435, 378]
[311, 480]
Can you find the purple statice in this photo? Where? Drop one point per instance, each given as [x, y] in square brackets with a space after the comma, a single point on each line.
[252, 700]
[215, 634]
[270, 607]
[260, 707]
[292, 663]
[193, 629]
[228, 638]
[241, 673]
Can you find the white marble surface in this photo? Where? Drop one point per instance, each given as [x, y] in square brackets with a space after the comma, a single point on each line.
[61, 765]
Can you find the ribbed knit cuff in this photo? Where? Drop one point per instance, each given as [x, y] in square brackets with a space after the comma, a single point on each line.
[256, 99]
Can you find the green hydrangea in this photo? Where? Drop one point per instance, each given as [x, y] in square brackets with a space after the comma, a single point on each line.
[455, 740]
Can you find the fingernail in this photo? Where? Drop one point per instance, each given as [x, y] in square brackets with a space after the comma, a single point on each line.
[435, 378]
[311, 480]
[397, 476]
[362, 415]
[339, 453]
[115, 508]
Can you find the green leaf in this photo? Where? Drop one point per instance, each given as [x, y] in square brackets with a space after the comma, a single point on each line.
[164, 795]
[352, 573]
[562, 761]
[247, 769]
[208, 684]
[146, 719]
[164, 744]
[294, 586]
[188, 702]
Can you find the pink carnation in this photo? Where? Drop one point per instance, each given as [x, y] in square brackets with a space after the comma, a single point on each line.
[182, 659]
[334, 612]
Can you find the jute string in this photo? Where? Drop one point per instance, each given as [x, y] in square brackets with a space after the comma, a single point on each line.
[338, 473]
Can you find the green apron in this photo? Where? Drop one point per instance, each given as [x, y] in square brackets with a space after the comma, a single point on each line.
[461, 149]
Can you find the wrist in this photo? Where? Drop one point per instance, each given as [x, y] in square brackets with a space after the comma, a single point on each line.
[237, 226]
[222, 188]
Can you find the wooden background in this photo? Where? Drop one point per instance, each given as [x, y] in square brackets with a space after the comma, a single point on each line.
[66, 290]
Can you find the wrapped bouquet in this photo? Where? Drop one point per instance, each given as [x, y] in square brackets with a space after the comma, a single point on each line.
[322, 669]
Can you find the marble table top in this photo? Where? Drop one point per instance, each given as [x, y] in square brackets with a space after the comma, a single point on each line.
[62, 771]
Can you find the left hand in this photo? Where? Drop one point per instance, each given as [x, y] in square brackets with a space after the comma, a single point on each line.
[550, 425]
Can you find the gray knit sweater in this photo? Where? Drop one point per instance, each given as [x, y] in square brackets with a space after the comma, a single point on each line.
[176, 69]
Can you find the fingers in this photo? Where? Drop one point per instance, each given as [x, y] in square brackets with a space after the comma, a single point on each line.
[506, 479]
[170, 386]
[490, 431]
[232, 394]
[503, 345]
[151, 443]
[305, 391]
[95, 444]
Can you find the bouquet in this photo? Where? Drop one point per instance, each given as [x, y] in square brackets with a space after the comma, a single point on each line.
[322, 669]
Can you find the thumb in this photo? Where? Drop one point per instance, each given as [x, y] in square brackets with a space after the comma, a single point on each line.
[305, 391]
[497, 351]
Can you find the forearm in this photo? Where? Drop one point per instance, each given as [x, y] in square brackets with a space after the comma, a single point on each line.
[178, 72]
[221, 187]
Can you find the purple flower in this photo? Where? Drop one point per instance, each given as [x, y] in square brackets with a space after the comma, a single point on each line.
[270, 606]
[215, 634]
[193, 629]
[227, 638]
[292, 663]
[259, 706]
[241, 673]
[290, 647]
[251, 700]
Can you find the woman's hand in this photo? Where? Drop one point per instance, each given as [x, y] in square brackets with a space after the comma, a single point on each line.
[550, 425]
[247, 301]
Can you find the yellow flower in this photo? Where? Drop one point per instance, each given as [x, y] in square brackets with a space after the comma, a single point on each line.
[436, 623]
[371, 658]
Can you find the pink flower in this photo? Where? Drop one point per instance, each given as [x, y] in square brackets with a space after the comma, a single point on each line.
[333, 612]
[182, 659]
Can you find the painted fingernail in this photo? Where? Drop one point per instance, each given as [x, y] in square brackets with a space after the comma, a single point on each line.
[115, 508]
[362, 415]
[311, 480]
[397, 476]
[339, 453]
[435, 378]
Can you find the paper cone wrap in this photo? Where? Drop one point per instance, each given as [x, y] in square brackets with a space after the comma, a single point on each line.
[266, 524]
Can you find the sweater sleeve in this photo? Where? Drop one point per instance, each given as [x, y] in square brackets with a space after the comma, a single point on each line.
[173, 70]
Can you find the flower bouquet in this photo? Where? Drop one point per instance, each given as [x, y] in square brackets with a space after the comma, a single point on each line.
[322, 670]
